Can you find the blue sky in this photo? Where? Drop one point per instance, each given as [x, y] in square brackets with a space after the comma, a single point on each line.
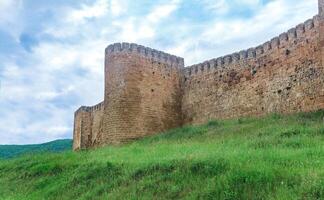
[52, 52]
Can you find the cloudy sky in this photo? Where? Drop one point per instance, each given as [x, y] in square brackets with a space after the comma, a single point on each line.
[52, 52]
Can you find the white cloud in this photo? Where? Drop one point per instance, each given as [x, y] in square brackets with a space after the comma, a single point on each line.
[250, 2]
[98, 9]
[51, 95]
[224, 36]
[145, 28]
[68, 69]
[220, 6]
[9, 15]
[29, 93]
[118, 7]
[71, 20]
[162, 11]
[8, 9]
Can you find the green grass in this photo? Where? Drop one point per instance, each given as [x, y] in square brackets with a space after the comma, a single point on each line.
[276, 157]
[11, 151]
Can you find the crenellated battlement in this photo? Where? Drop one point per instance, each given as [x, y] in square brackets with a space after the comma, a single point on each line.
[149, 91]
[295, 36]
[146, 52]
[96, 107]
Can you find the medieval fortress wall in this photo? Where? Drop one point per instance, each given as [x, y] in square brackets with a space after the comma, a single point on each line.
[87, 125]
[283, 75]
[148, 91]
[142, 92]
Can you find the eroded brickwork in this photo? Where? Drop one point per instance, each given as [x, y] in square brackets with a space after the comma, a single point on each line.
[148, 91]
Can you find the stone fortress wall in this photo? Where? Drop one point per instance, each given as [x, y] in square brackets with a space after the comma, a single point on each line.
[148, 91]
[283, 75]
[87, 125]
[142, 92]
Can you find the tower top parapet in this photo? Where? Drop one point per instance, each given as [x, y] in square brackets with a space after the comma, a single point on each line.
[147, 52]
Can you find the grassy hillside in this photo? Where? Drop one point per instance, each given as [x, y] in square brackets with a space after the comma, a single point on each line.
[277, 157]
[10, 151]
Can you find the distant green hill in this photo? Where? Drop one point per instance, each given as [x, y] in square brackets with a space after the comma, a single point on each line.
[10, 151]
[275, 157]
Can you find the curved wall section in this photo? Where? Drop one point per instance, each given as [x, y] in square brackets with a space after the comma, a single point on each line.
[142, 92]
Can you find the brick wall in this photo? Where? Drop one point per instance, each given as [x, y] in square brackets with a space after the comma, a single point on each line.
[87, 126]
[142, 92]
[283, 75]
[148, 91]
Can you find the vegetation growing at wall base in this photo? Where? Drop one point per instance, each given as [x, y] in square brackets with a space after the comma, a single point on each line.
[277, 157]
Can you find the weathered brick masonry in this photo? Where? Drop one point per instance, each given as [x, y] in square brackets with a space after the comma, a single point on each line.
[148, 91]
[142, 92]
[87, 126]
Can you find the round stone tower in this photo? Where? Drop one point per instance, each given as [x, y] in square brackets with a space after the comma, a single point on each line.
[142, 92]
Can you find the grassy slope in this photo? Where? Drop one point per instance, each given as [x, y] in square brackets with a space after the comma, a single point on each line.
[10, 151]
[270, 158]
